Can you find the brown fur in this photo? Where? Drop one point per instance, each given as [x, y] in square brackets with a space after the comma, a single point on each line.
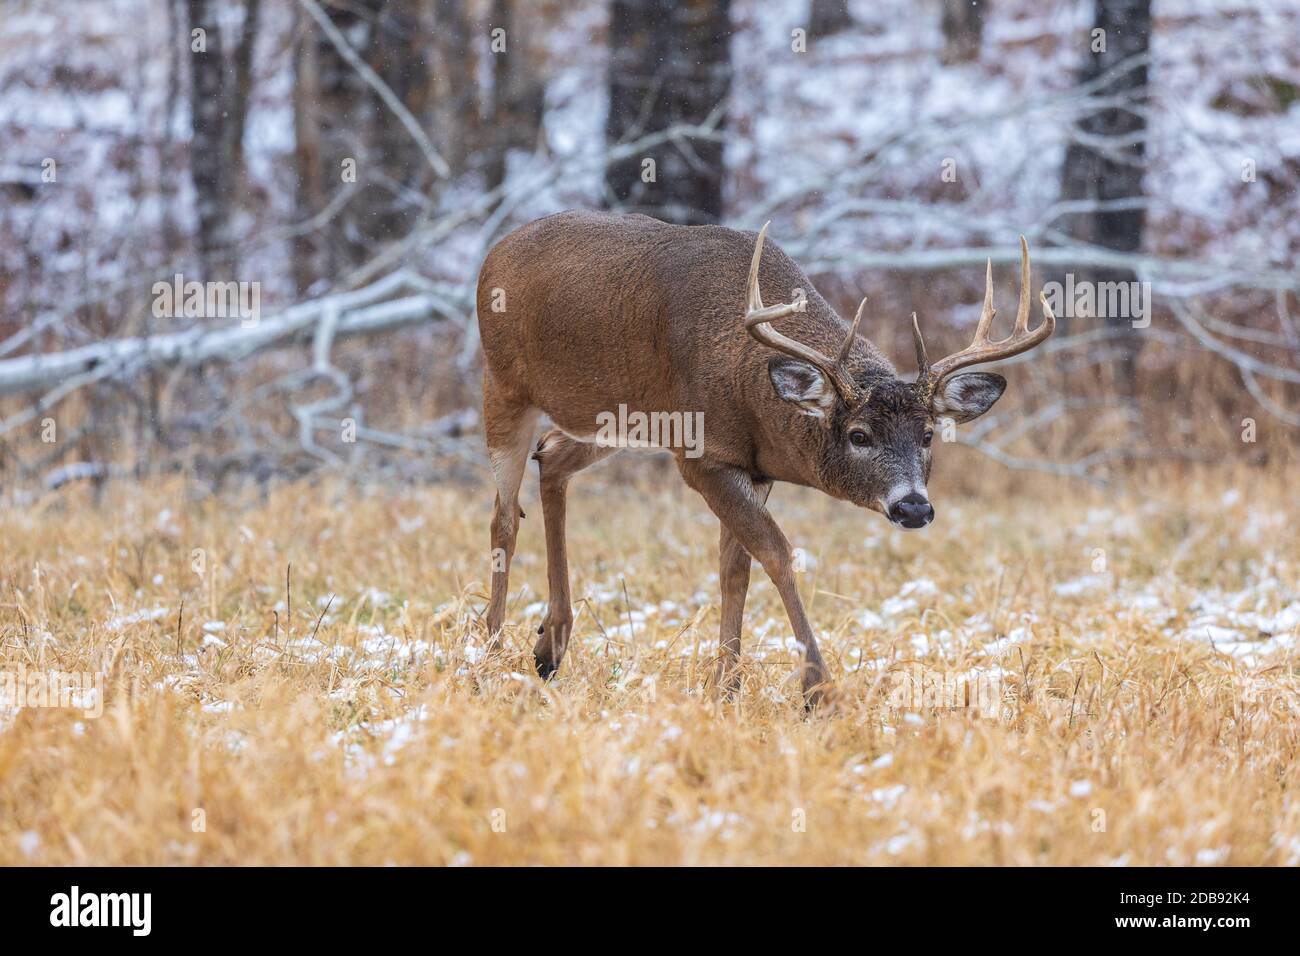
[604, 310]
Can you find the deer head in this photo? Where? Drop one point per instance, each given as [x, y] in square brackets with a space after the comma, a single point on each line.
[873, 446]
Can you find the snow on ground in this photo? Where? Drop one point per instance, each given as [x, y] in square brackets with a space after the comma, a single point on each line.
[915, 620]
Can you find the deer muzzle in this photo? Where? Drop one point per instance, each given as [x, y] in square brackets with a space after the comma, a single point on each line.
[912, 510]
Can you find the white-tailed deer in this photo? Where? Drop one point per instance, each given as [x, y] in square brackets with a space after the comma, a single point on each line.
[581, 313]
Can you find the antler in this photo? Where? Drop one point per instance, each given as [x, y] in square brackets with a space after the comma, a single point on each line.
[758, 321]
[981, 350]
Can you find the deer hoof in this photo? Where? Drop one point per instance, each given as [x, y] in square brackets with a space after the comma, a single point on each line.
[820, 700]
[546, 667]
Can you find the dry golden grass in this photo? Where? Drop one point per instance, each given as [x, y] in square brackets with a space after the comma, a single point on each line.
[381, 734]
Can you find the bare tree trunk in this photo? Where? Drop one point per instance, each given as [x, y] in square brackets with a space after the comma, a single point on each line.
[331, 112]
[355, 158]
[456, 95]
[517, 92]
[208, 111]
[828, 16]
[398, 53]
[670, 62]
[311, 184]
[1107, 167]
[220, 89]
[963, 29]
[172, 235]
[242, 87]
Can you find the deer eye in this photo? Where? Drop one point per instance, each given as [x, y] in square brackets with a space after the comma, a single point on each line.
[859, 437]
[927, 438]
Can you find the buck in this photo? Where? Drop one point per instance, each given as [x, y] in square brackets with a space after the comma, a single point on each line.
[582, 313]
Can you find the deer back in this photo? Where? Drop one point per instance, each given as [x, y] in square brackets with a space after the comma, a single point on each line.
[581, 312]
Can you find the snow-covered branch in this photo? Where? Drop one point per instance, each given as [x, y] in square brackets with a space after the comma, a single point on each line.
[366, 311]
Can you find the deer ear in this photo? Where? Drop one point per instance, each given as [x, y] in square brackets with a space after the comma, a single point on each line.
[802, 385]
[963, 397]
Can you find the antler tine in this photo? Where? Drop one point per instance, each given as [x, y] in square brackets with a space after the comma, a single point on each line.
[1022, 311]
[987, 312]
[758, 321]
[922, 360]
[1022, 339]
[754, 301]
[1049, 320]
[755, 312]
[847, 348]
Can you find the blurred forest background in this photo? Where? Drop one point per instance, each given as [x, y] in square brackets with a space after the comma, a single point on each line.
[355, 159]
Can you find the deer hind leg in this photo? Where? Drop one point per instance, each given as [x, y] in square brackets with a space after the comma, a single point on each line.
[733, 579]
[559, 458]
[509, 428]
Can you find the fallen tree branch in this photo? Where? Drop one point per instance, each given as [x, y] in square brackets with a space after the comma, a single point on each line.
[360, 312]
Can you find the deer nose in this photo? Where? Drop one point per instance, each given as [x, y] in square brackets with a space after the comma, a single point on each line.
[912, 511]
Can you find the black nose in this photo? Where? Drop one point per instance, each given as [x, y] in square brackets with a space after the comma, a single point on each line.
[912, 511]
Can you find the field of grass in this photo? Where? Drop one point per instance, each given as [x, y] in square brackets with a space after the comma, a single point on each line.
[323, 697]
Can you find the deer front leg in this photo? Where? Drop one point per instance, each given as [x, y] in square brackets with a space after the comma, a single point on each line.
[733, 496]
[558, 458]
[733, 578]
